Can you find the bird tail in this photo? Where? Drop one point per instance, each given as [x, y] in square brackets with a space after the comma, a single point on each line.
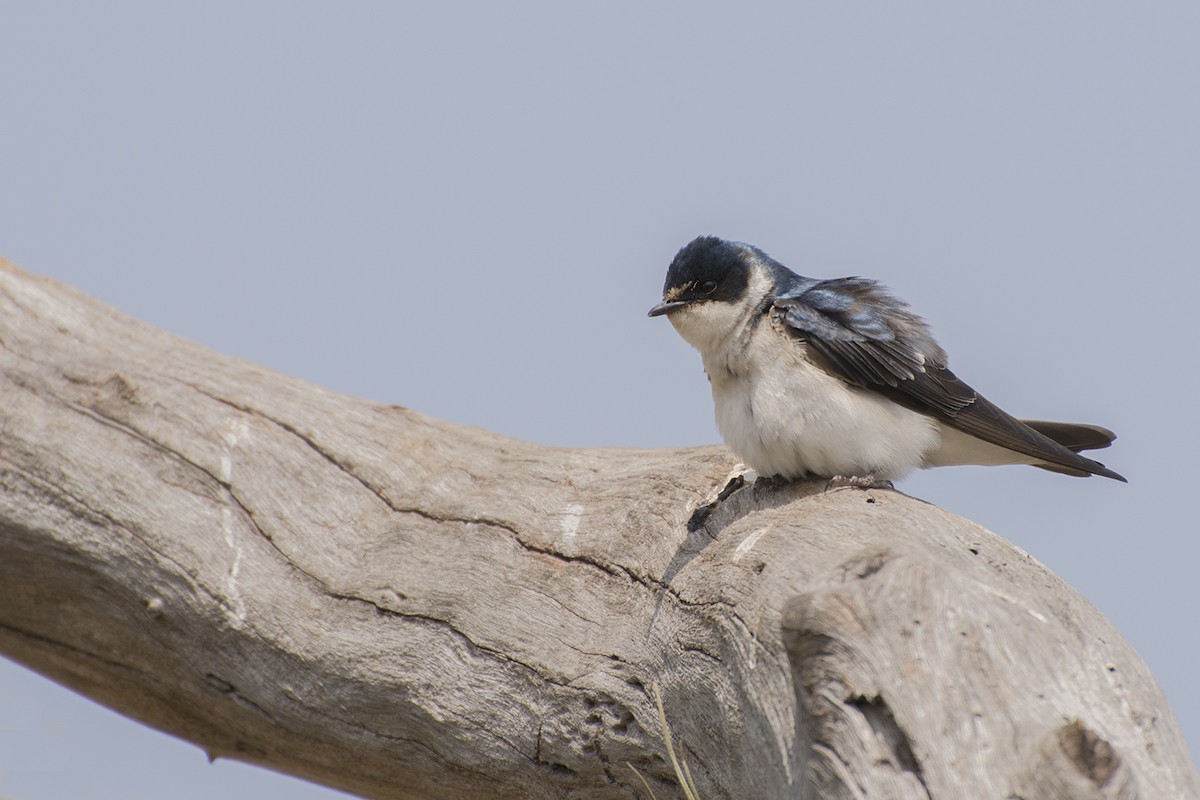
[1073, 435]
[1076, 437]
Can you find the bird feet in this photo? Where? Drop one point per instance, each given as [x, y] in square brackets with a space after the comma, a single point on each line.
[868, 481]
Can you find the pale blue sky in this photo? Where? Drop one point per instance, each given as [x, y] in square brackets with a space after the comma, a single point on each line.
[331, 188]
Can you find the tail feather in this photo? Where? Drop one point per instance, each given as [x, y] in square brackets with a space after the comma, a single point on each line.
[1073, 435]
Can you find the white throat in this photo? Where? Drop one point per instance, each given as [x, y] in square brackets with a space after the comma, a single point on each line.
[721, 330]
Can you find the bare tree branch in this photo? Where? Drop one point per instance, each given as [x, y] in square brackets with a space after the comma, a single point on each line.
[405, 608]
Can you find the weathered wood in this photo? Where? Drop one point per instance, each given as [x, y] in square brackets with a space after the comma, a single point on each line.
[405, 608]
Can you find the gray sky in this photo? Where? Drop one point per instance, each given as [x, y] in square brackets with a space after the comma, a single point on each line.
[331, 188]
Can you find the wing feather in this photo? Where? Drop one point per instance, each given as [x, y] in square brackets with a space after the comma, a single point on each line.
[857, 331]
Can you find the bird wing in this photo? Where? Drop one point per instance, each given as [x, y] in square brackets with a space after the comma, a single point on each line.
[858, 332]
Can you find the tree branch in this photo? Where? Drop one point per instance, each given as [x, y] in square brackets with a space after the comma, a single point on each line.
[404, 608]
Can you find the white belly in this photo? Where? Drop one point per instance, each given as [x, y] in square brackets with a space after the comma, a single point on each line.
[788, 417]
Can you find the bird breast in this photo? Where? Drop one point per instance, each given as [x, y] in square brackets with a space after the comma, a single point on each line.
[783, 415]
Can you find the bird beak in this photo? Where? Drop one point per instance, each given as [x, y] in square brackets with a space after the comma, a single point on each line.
[666, 307]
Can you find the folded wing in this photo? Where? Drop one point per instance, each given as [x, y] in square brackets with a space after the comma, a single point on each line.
[857, 331]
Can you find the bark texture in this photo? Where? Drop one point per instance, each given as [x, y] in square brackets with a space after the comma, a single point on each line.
[405, 608]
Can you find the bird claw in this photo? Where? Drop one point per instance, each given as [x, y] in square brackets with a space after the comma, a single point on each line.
[868, 481]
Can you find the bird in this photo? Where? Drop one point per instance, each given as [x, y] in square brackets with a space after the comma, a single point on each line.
[837, 378]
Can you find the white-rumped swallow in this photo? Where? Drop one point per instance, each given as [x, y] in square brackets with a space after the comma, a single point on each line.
[837, 378]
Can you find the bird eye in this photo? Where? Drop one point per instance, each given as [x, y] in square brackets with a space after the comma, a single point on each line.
[708, 287]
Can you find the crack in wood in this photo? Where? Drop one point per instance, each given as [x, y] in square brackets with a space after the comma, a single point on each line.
[616, 570]
[225, 687]
[226, 486]
[97, 517]
[882, 721]
[696, 521]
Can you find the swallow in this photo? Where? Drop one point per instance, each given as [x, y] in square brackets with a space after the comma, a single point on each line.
[837, 378]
